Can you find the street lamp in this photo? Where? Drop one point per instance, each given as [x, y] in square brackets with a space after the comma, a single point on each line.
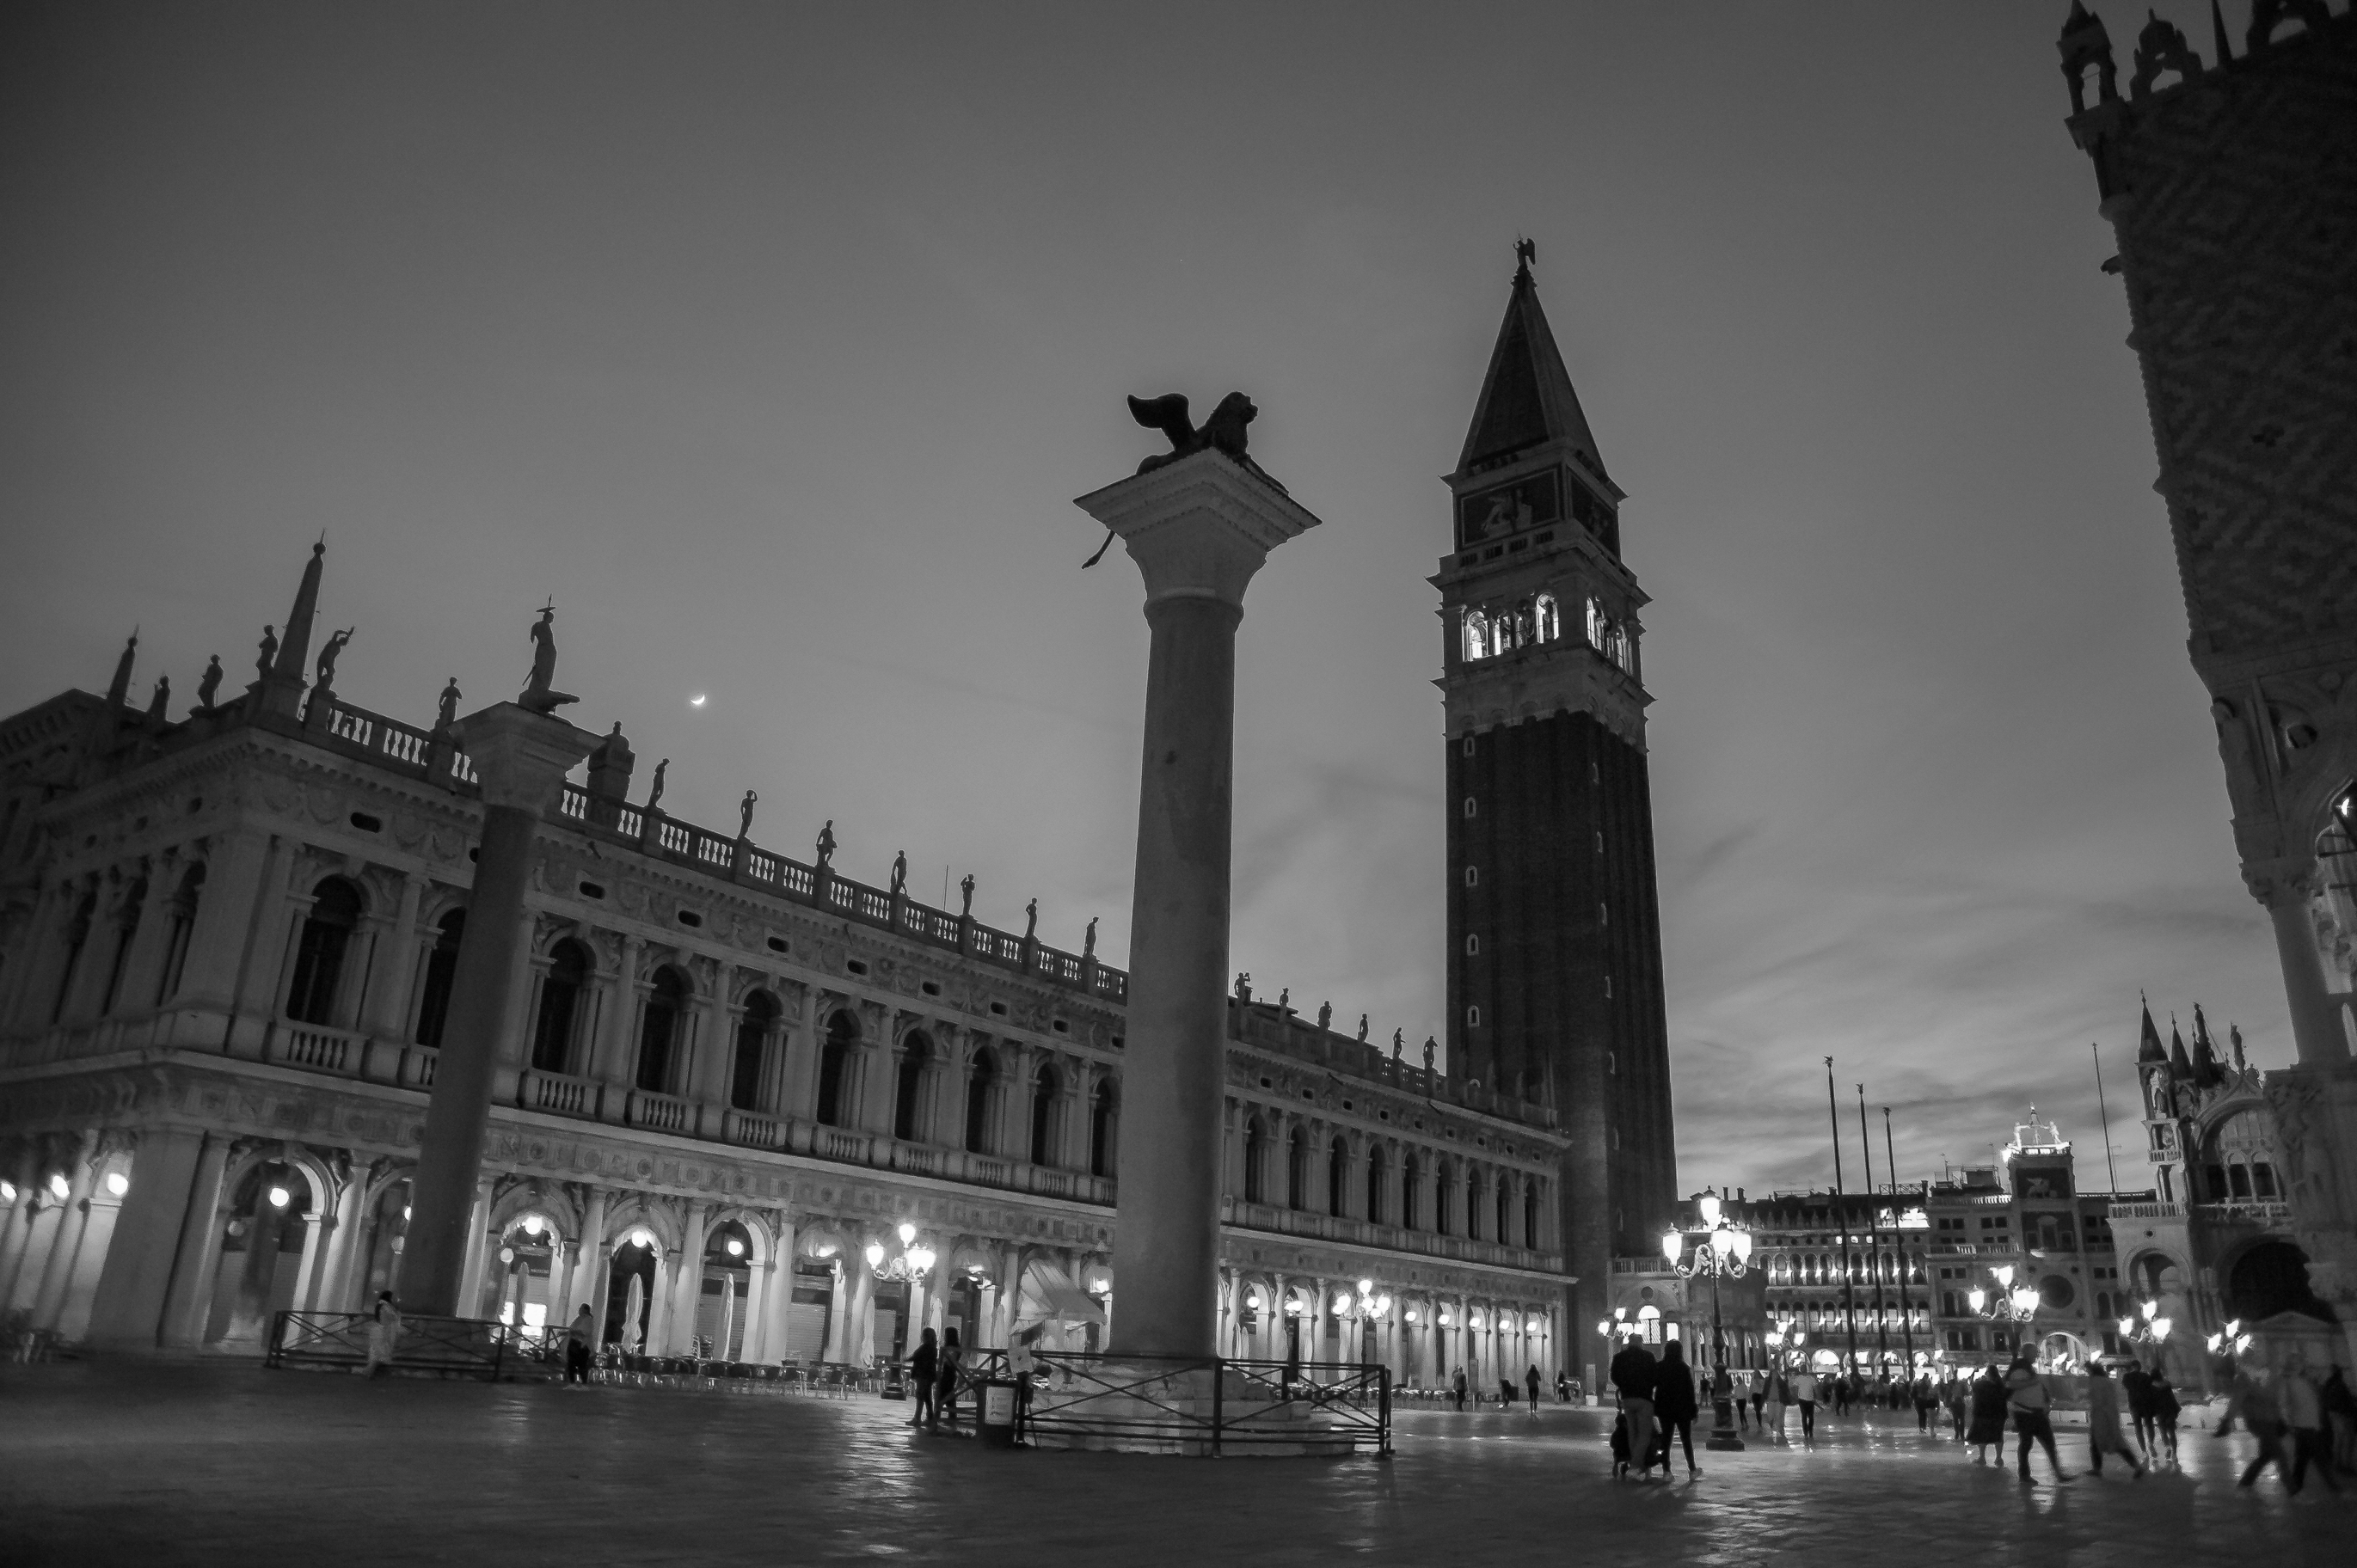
[1725, 1251]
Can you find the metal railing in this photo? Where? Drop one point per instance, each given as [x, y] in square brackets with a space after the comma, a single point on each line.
[1253, 1403]
[447, 1347]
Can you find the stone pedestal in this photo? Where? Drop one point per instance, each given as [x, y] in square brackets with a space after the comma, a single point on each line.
[520, 758]
[1198, 528]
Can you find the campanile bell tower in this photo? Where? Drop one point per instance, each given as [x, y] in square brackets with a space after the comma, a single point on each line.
[1555, 960]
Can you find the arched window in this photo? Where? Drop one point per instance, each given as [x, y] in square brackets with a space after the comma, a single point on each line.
[1525, 632]
[126, 927]
[1444, 1201]
[441, 968]
[1043, 1115]
[1410, 1172]
[981, 1083]
[1550, 620]
[1104, 1119]
[1477, 635]
[184, 920]
[759, 1026]
[1256, 1161]
[560, 1005]
[835, 1066]
[658, 1030]
[1338, 1177]
[1474, 1193]
[319, 956]
[1296, 1169]
[1376, 1169]
[1531, 1216]
[916, 1056]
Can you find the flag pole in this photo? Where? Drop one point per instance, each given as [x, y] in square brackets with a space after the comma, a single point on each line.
[2109, 1168]
[1841, 1217]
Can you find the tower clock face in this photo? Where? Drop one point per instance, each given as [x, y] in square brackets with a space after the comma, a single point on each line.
[1508, 509]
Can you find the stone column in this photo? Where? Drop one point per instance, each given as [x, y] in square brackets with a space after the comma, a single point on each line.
[687, 1282]
[387, 1018]
[521, 757]
[65, 1240]
[188, 1298]
[473, 1258]
[2285, 887]
[1198, 528]
[143, 968]
[588, 1273]
[617, 1057]
[127, 1312]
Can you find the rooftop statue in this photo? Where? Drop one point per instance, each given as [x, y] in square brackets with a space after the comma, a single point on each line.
[1031, 920]
[162, 698]
[966, 887]
[1089, 940]
[1324, 1016]
[827, 845]
[655, 785]
[209, 683]
[1362, 1028]
[269, 651]
[539, 695]
[446, 712]
[745, 814]
[900, 872]
[328, 654]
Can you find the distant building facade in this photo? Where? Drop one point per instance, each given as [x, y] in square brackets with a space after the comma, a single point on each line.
[2229, 185]
[732, 1079]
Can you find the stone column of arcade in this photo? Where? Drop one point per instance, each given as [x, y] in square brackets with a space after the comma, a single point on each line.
[521, 756]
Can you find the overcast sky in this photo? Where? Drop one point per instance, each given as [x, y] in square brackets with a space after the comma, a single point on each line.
[774, 343]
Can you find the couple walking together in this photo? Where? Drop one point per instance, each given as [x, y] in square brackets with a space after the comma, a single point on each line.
[1653, 1392]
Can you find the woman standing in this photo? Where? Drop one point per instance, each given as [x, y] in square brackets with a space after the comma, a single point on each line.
[383, 1333]
[1773, 1400]
[2104, 1434]
[1675, 1404]
[946, 1383]
[1988, 1426]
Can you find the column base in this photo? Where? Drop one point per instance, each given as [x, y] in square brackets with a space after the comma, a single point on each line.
[1148, 1407]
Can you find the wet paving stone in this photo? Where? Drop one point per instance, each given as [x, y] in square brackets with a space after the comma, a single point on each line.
[119, 1463]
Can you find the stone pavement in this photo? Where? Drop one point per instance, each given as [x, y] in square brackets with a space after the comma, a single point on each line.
[123, 1463]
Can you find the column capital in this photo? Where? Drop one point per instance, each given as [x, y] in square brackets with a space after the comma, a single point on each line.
[521, 756]
[1199, 527]
[2291, 879]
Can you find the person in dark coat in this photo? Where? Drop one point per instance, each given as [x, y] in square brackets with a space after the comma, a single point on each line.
[945, 1381]
[924, 1365]
[1988, 1426]
[2165, 1412]
[1674, 1405]
[1531, 1381]
[1634, 1373]
[2136, 1384]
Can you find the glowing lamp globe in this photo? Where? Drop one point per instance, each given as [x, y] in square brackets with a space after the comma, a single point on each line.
[1674, 1245]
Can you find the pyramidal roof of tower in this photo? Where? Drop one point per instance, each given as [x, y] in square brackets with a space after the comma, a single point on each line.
[1526, 397]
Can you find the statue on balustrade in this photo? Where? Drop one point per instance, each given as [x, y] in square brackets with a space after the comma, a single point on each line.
[826, 846]
[269, 651]
[965, 887]
[1431, 1046]
[900, 873]
[446, 712]
[1244, 985]
[209, 683]
[330, 654]
[1362, 1028]
[1325, 1016]
[655, 785]
[1031, 920]
[1089, 940]
[162, 698]
[540, 694]
[745, 814]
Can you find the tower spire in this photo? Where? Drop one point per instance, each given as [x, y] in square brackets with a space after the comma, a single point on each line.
[2148, 1038]
[295, 648]
[2218, 38]
[1527, 396]
[118, 690]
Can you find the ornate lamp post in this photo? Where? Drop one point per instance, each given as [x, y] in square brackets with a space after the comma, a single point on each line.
[2145, 1326]
[2011, 1303]
[1726, 1251]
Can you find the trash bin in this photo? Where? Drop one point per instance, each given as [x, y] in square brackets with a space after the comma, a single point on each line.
[997, 1422]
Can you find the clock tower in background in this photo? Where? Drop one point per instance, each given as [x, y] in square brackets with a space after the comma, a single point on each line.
[1555, 948]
